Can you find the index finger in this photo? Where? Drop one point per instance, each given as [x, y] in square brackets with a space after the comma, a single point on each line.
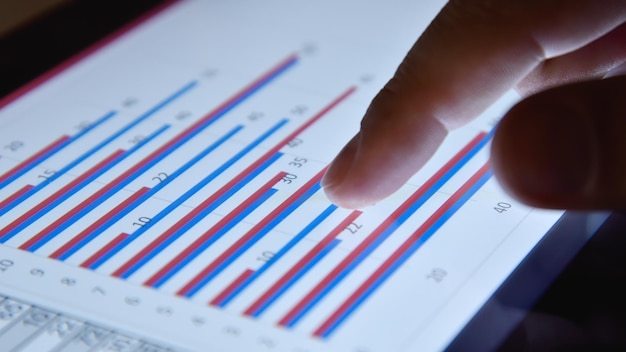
[471, 54]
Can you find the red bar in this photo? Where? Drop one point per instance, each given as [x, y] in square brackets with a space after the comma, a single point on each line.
[111, 213]
[211, 115]
[68, 215]
[211, 232]
[233, 286]
[162, 149]
[83, 54]
[60, 192]
[104, 250]
[34, 157]
[245, 238]
[281, 144]
[382, 227]
[241, 93]
[306, 125]
[182, 222]
[272, 151]
[401, 250]
[15, 195]
[301, 263]
[92, 198]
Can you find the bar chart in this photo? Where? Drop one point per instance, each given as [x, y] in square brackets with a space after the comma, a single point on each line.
[206, 191]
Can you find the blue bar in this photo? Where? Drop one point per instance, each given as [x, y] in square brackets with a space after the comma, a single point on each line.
[414, 247]
[401, 219]
[284, 250]
[191, 134]
[252, 91]
[196, 189]
[179, 233]
[57, 148]
[94, 233]
[262, 232]
[97, 147]
[134, 204]
[214, 238]
[163, 213]
[153, 191]
[131, 178]
[297, 277]
[79, 186]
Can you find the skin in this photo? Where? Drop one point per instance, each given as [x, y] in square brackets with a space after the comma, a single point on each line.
[562, 146]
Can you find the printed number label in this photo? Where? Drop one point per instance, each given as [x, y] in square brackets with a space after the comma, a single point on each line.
[502, 207]
[5, 264]
[437, 275]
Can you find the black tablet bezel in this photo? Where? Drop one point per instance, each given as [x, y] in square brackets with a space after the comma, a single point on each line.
[520, 303]
[41, 44]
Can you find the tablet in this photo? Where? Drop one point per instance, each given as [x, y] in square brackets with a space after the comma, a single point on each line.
[160, 191]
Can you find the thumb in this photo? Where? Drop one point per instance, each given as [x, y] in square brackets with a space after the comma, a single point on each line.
[566, 147]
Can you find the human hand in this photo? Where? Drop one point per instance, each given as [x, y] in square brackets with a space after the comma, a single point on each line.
[564, 147]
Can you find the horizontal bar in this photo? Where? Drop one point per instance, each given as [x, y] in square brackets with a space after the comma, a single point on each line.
[163, 213]
[222, 300]
[29, 163]
[48, 151]
[166, 149]
[104, 143]
[386, 228]
[59, 196]
[214, 233]
[115, 186]
[87, 234]
[71, 188]
[104, 250]
[406, 249]
[181, 226]
[20, 192]
[252, 236]
[230, 290]
[300, 268]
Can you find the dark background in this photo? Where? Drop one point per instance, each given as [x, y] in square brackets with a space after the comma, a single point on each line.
[43, 33]
[585, 308]
[14, 13]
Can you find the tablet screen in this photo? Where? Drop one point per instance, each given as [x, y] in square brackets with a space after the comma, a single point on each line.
[163, 191]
